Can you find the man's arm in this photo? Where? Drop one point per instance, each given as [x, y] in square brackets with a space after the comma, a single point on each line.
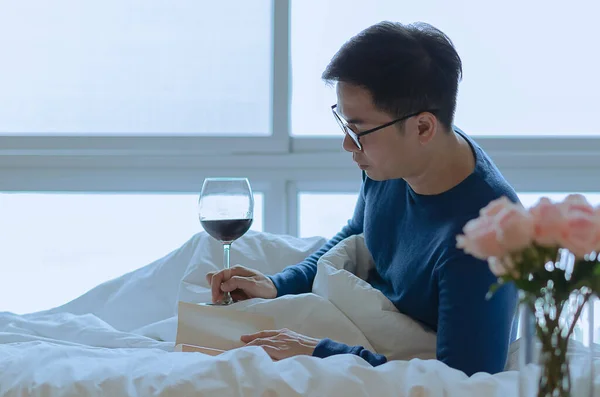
[473, 332]
[298, 279]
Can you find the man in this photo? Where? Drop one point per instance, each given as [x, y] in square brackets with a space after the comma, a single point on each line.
[423, 180]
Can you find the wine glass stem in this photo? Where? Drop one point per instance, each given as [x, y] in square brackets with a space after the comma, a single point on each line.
[226, 247]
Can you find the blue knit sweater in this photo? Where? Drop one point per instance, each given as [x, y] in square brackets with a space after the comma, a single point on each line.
[412, 239]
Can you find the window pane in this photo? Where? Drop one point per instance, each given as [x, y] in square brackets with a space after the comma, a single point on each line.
[56, 247]
[135, 67]
[324, 214]
[517, 81]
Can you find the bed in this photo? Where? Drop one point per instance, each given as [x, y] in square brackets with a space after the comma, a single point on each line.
[118, 339]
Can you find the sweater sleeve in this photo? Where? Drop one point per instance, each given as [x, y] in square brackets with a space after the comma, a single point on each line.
[298, 279]
[473, 332]
[327, 347]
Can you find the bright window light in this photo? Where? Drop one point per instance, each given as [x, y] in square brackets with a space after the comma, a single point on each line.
[324, 214]
[135, 67]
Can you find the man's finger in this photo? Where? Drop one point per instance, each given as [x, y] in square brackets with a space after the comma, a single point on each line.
[259, 335]
[264, 342]
[215, 286]
[223, 276]
[239, 270]
[273, 351]
[209, 277]
[237, 282]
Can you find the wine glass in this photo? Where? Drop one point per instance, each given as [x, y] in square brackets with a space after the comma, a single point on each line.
[225, 210]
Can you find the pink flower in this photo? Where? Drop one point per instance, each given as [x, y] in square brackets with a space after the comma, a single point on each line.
[495, 206]
[480, 238]
[580, 229]
[502, 227]
[548, 220]
[515, 227]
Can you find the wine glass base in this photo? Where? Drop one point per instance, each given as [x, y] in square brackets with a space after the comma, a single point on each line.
[216, 304]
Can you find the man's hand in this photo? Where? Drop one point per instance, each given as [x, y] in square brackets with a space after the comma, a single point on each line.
[282, 343]
[242, 283]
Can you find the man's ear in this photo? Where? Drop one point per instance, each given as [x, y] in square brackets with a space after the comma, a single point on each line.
[427, 126]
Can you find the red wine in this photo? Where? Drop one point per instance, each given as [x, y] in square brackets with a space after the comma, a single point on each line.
[226, 229]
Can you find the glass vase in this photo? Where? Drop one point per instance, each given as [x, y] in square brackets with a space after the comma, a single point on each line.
[550, 364]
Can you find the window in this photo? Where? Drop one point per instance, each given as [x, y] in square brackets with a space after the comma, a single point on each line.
[56, 247]
[324, 214]
[141, 68]
[519, 73]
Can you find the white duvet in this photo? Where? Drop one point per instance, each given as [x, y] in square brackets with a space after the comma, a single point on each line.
[118, 339]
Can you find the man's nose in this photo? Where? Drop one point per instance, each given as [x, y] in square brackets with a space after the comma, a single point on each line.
[349, 145]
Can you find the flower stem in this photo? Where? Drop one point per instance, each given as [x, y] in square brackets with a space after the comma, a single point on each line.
[586, 297]
[555, 379]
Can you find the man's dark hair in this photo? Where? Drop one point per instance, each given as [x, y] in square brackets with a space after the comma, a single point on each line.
[406, 68]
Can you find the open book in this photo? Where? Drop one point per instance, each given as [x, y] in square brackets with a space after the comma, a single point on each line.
[215, 329]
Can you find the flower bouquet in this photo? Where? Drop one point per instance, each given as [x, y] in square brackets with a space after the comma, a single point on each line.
[551, 252]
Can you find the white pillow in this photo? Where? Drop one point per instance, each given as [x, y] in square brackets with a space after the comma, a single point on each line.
[390, 332]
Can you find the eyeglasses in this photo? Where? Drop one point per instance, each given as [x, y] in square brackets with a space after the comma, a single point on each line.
[356, 135]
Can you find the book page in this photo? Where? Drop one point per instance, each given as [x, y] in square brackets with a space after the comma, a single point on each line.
[197, 349]
[217, 327]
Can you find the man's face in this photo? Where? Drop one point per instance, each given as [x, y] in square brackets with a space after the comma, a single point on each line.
[387, 153]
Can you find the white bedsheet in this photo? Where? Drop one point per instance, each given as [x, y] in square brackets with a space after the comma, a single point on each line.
[117, 340]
